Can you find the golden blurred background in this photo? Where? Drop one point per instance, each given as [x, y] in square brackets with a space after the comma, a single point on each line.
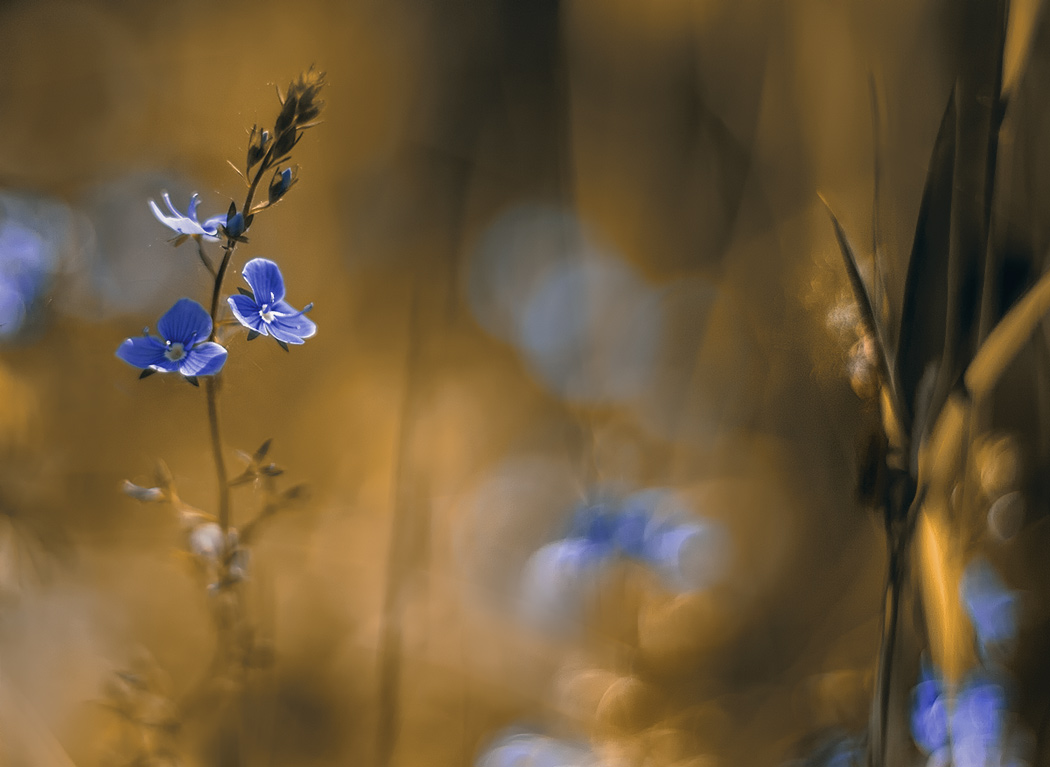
[556, 249]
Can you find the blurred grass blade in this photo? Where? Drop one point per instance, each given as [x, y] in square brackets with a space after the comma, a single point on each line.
[880, 299]
[867, 310]
[1007, 338]
[1021, 29]
[923, 314]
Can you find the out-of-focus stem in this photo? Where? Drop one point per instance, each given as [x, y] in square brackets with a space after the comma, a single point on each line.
[211, 388]
[398, 562]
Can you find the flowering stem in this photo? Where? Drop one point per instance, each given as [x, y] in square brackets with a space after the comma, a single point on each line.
[211, 385]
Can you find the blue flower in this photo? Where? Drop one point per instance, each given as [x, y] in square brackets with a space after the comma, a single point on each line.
[266, 312]
[188, 225]
[183, 346]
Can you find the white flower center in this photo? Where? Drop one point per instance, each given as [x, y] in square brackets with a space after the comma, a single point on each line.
[175, 352]
[267, 316]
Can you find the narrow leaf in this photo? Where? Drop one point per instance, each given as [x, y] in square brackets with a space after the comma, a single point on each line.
[246, 292]
[146, 373]
[192, 380]
[922, 328]
[253, 334]
[860, 294]
[1007, 338]
[264, 448]
[282, 344]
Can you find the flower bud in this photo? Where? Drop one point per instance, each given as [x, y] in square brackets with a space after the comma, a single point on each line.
[235, 225]
[280, 184]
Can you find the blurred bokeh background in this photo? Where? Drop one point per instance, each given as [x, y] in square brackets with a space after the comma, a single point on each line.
[559, 250]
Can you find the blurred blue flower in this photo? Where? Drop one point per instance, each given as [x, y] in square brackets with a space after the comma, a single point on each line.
[964, 730]
[526, 749]
[266, 312]
[558, 581]
[688, 553]
[25, 267]
[596, 522]
[993, 608]
[34, 233]
[929, 713]
[188, 224]
[183, 346]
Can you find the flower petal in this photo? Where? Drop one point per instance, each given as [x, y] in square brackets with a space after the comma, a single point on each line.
[290, 325]
[191, 211]
[211, 227]
[203, 360]
[265, 280]
[172, 208]
[168, 221]
[248, 313]
[145, 352]
[185, 323]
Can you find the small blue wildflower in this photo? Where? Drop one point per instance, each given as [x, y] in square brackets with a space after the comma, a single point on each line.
[266, 312]
[188, 225]
[993, 608]
[183, 346]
